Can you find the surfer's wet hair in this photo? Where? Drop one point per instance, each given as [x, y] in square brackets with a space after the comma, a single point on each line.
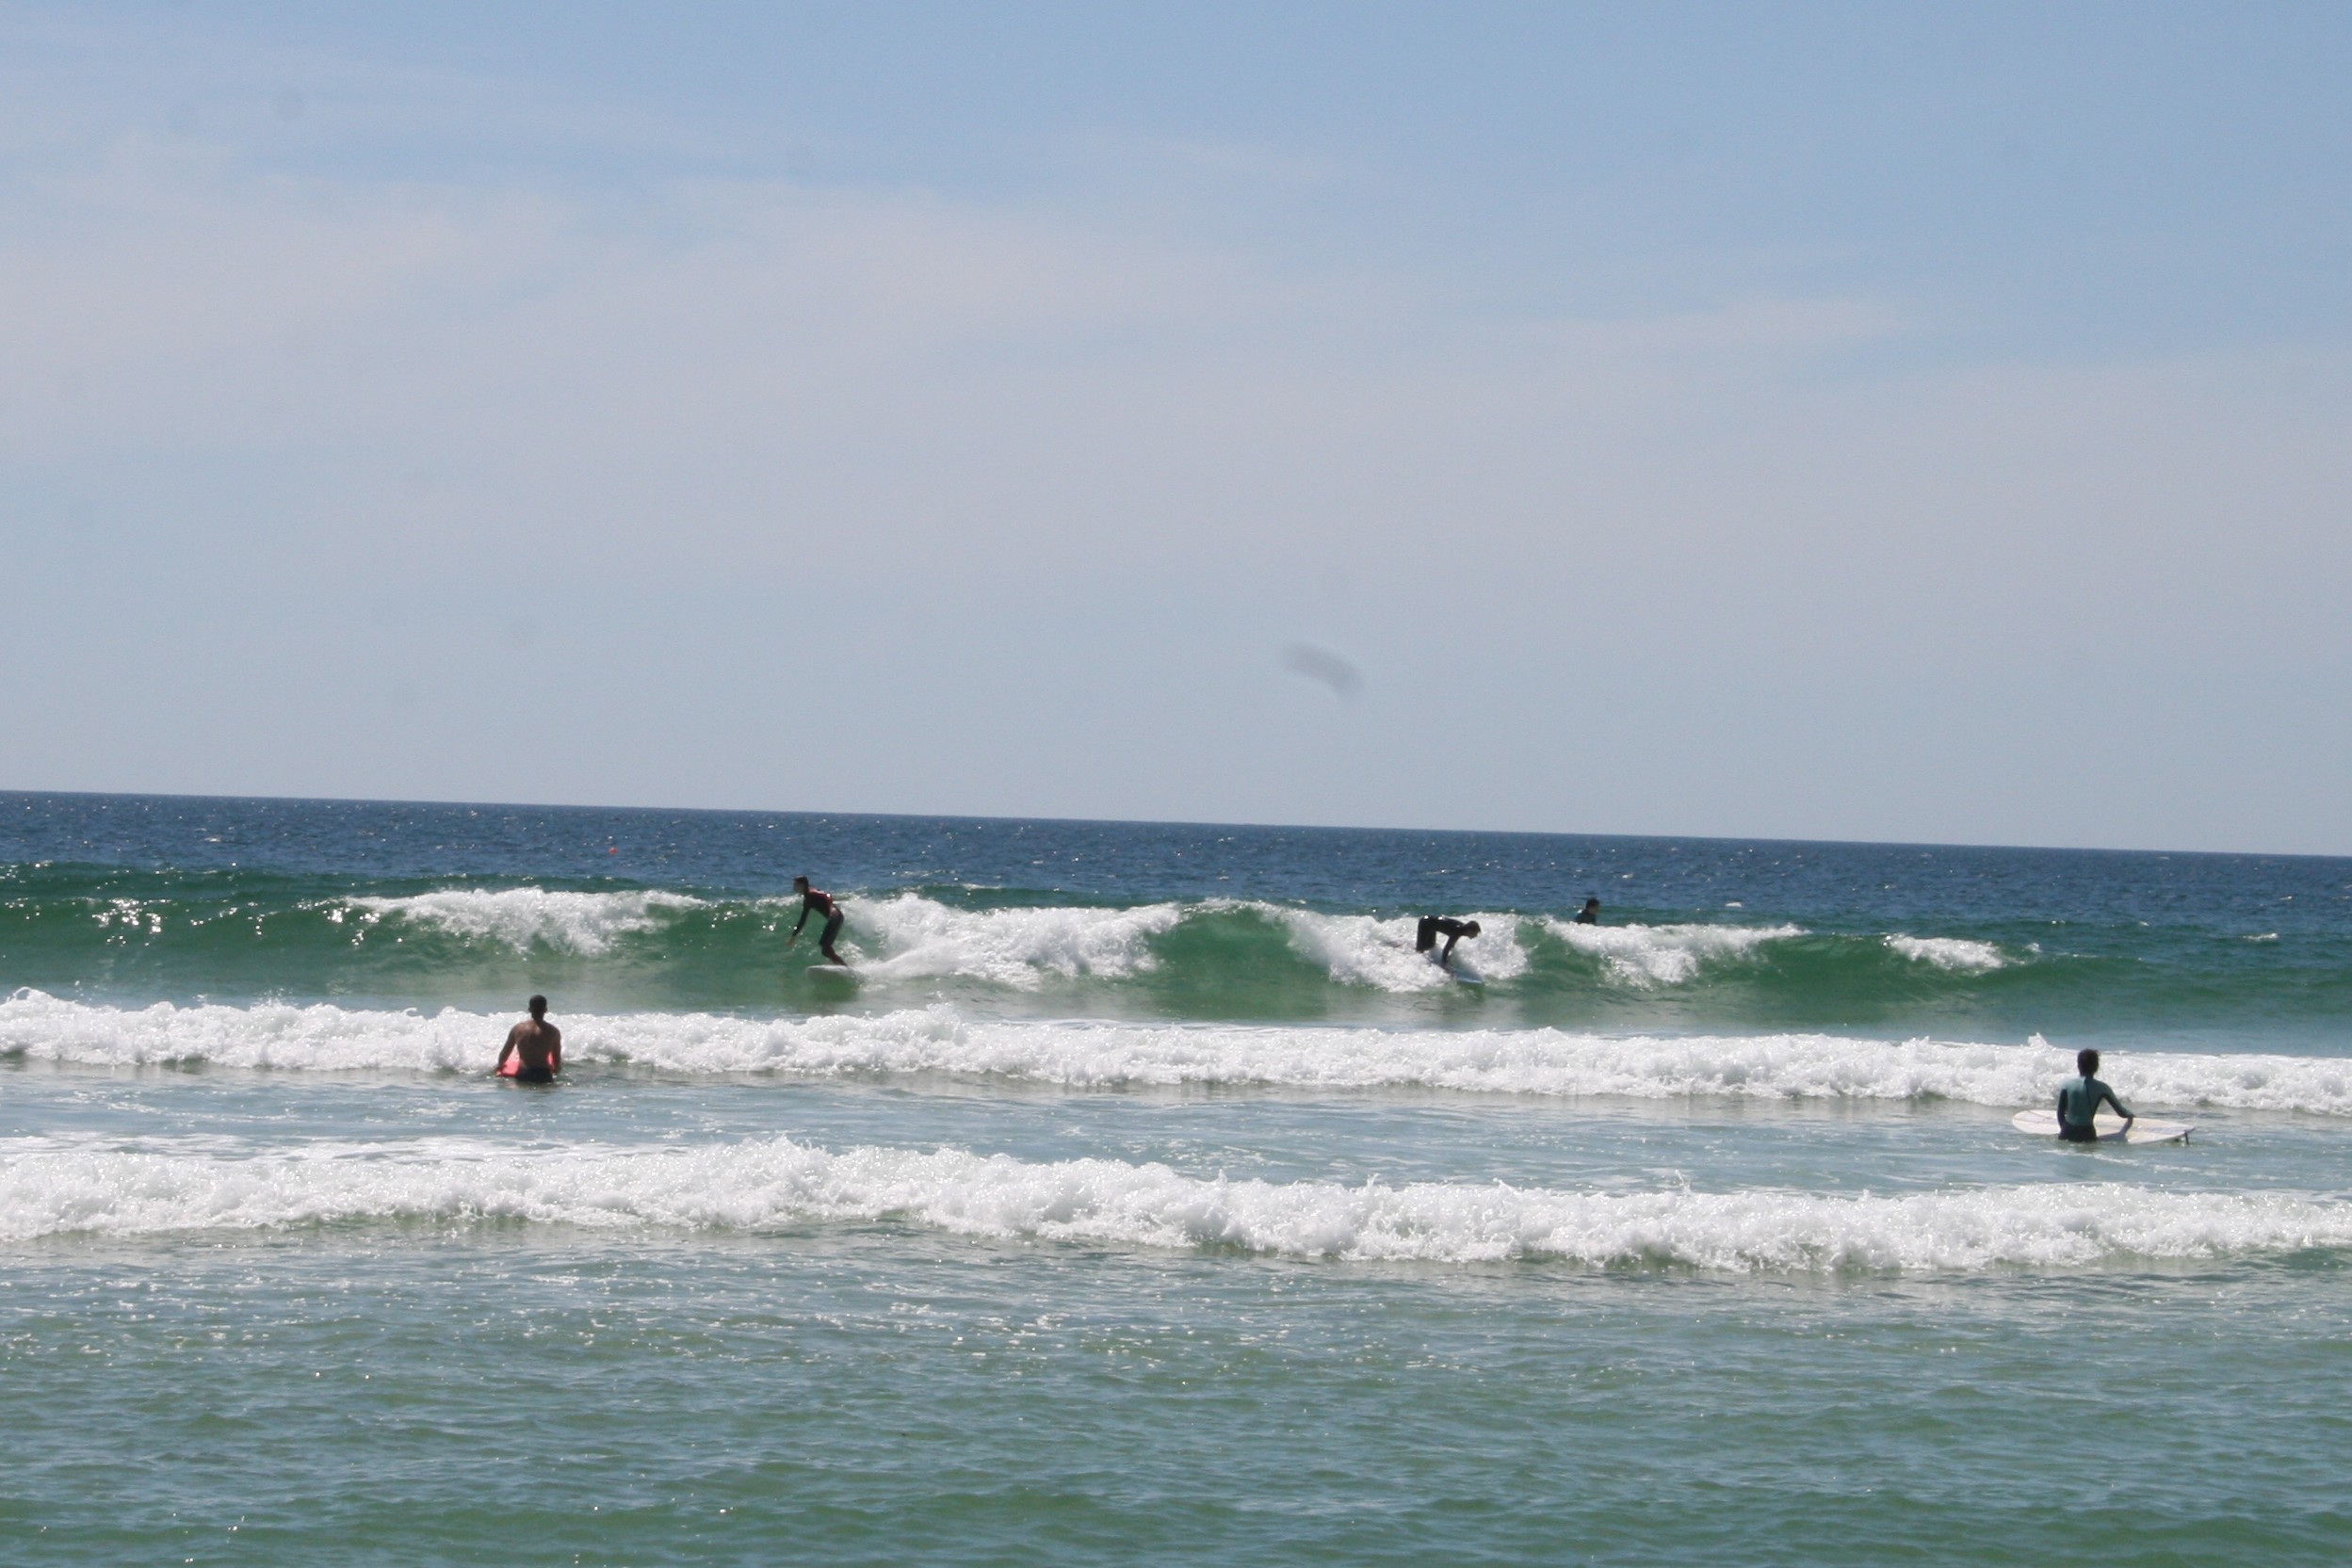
[799, 881]
[538, 1004]
[2087, 1062]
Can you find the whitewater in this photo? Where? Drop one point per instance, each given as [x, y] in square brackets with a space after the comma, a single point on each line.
[1080, 1054]
[775, 1182]
[1143, 1183]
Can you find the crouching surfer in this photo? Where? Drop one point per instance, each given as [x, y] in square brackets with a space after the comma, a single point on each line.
[535, 1047]
[1434, 925]
[2078, 1099]
[816, 901]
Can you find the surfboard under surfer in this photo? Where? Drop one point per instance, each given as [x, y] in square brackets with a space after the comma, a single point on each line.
[536, 1045]
[2080, 1097]
[1434, 925]
[818, 901]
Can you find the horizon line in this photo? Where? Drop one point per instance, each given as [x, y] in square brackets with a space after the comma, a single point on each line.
[1161, 822]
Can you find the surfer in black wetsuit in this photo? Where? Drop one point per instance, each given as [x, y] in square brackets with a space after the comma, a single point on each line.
[1434, 925]
[2078, 1099]
[538, 1044]
[820, 902]
[1590, 914]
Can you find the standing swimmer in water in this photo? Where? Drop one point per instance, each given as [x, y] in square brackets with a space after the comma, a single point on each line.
[2078, 1099]
[820, 902]
[1434, 925]
[538, 1043]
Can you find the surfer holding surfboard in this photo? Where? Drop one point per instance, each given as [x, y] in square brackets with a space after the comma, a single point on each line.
[2078, 1099]
[2081, 1119]
[818, 901]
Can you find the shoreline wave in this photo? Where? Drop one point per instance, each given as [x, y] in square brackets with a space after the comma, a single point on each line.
[770, 1183]
[1539, 1062]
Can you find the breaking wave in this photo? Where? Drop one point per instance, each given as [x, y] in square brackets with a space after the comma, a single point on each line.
[1950, 952]
[767, 1183]
[1095, 1055]
[1016, 946]
[1648, 956]
[1361, 949]
[523, 917]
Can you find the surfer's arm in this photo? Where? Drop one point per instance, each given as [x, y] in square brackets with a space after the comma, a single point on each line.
[798, 924]
[2121, 1109]
[506, 1050]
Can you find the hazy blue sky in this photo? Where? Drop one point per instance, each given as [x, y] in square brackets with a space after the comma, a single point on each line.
[1827, 420]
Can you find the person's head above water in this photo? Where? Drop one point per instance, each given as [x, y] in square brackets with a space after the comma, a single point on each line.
[800, 884]
[539, 1007]
[1469, 928]
[1592, 903]
[2087, 1063]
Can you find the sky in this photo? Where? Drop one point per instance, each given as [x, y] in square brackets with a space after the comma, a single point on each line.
[1818, 421]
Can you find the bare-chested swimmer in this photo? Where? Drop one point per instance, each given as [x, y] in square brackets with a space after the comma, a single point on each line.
[820, 902]
[536, 1044]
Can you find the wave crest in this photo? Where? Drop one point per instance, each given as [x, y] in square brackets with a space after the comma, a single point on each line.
[1014, 947]
[527, 917]
[1956, 954]
[770, 1182]
[1647, 955]
[1545, 1062]
[1363, 950]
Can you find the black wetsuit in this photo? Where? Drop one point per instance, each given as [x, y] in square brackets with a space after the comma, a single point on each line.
[1434, 925]
[813, 900]
[534, 1074]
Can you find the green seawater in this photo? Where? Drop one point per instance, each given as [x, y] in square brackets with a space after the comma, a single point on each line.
[1155, 1207]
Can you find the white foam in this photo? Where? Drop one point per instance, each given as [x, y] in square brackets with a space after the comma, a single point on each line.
[773, 1181]
[1547, 1062]
[1648, 956]
[1956, 953]
[527, 917]
[1014, 946]
[1359, 949]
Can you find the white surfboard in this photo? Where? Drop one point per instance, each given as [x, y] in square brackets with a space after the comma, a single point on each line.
[835, 971]
[2044, 1123]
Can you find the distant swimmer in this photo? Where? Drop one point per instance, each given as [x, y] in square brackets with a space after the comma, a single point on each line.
[820, 902]
[536, 1045]
[1590, 914]
[1434, 925]
[2078, 1099]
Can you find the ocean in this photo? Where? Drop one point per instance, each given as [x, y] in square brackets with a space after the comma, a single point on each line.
[1145, 1198]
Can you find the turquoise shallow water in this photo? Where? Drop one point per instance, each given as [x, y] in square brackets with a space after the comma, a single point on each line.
[1051, 1246]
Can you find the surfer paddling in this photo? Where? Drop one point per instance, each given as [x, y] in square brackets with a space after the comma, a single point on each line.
[1434, 925]
[2078, 1099]
[536, 1047]
[818, 901]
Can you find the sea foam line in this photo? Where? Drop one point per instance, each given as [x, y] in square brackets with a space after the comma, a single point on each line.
[1091, 1054]
[774, 1182]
